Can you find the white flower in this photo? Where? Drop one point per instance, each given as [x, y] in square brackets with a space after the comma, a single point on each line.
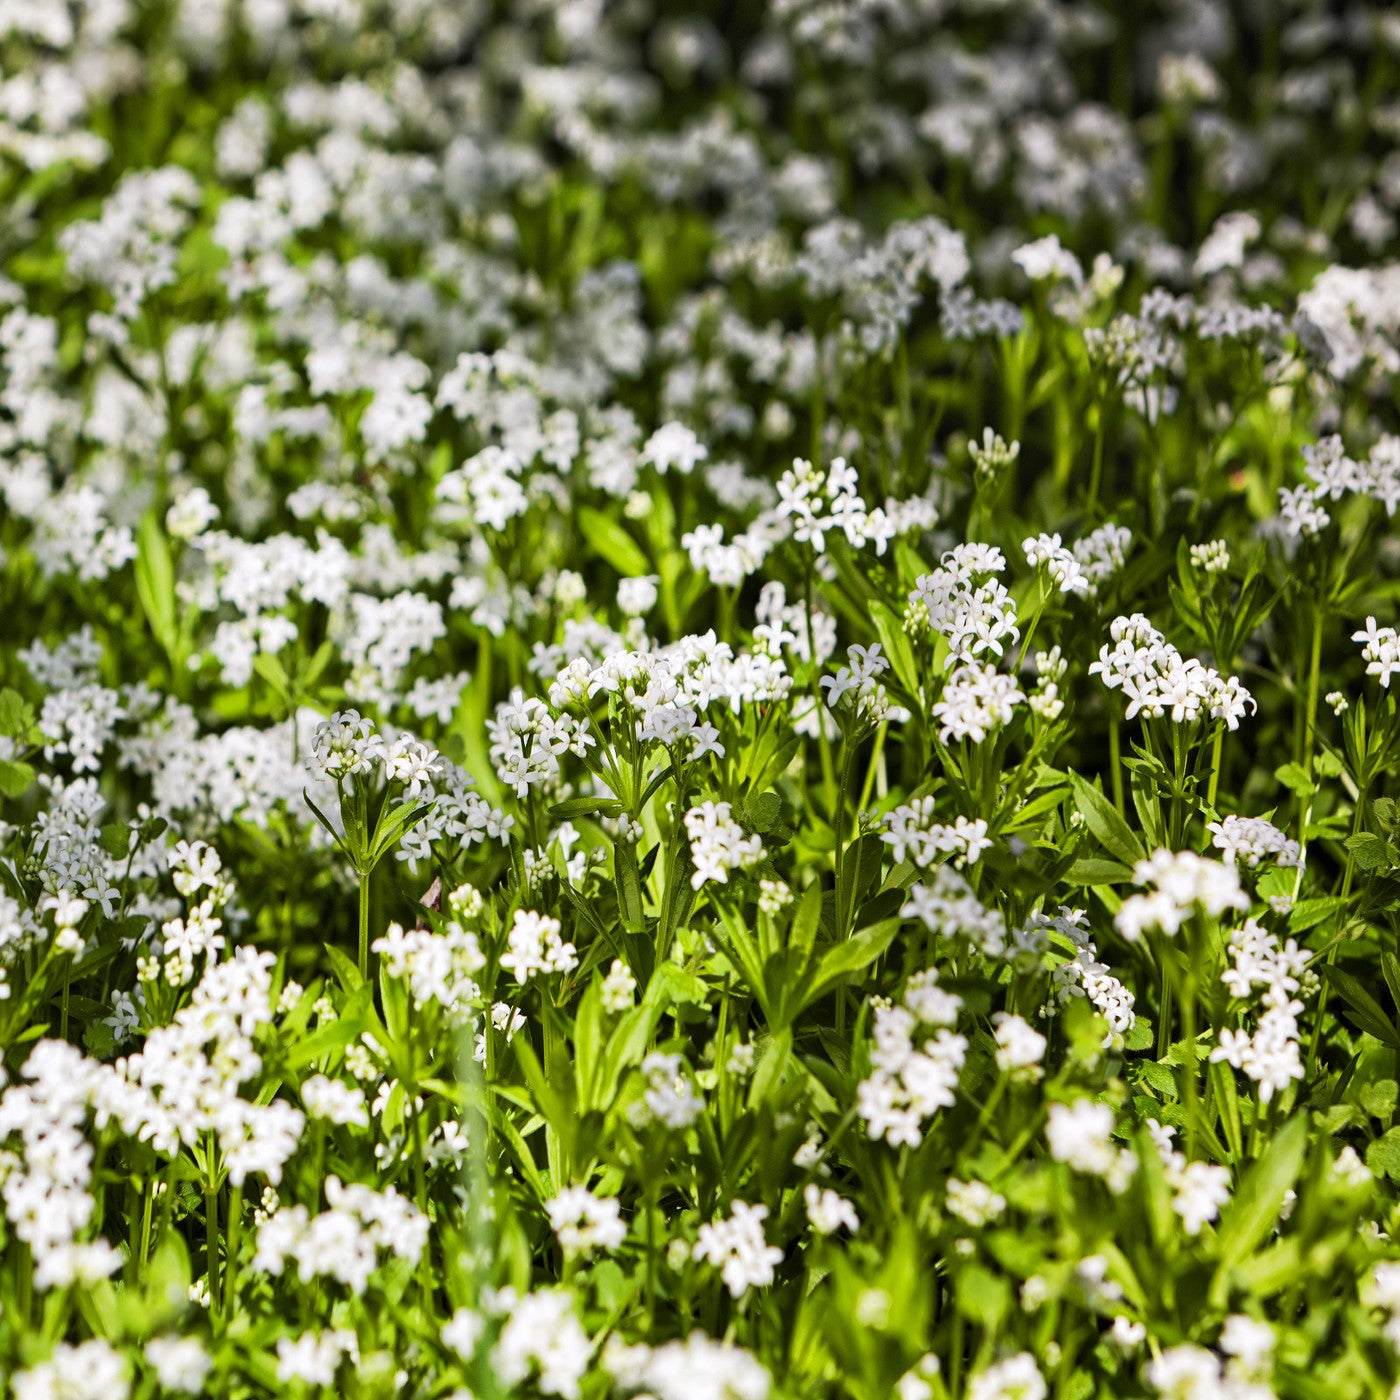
[583, 1222]
[737, 1247]
[718, 845]
[334, 1101]
[1016, 1378]
[534, 947]
[1081, 1135]
[1380, 650]
[1020, 1047]
[180, 1363]
[827, 1211]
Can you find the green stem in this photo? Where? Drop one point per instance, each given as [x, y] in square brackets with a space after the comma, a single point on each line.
[235, 1224]
[1190, 1068]
[211, 1240]
[364, 924]
[1115, 764]
[1215, 753]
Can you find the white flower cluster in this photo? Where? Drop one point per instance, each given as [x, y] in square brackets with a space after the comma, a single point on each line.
[334, 1101]
[1384, 1293]
[1270, 1056]
[1179, 883]
[913, 835]
[542, 1334]
[1082, 974]
[315, 1356]
[869, 700]
[195, 867]
[1201, 1189]
[976, 700]
[1156, 680]
[1332, 475]
[669, 1098]
[698, 1368]
[912, 1078]
[946, 905]
[78, 723]
[1080, 1134]
[1251, 840]
[1187, 1372]
[1089, 564]
[1016, 1378]
[184, 1081]
[347, 745]
[346, 1241]
[45, 1186]
[527, 741]
[665, 692]
[828, 1211]
[1380, 650]
[814, 502]
[534, 948]
[965, 605]
[974, 1202]
[89, 1370]
[583, 1222]
[718, 845]
[438, 967]
[1212, 557]
[1020, 1047]
[738, 1249]
[458, 817]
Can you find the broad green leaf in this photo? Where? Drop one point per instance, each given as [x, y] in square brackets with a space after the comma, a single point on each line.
[1253, 1210]
[155, 584]
[1363, 1010]
[851, 956]
[1370, 852]
[612, 543]
[1104, 822]
[16, 715]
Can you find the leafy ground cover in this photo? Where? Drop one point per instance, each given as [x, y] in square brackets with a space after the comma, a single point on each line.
[697, 699]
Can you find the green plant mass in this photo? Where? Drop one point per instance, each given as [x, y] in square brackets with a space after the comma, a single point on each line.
[696, 700]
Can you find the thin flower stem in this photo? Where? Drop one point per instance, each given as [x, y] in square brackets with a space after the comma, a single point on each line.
[1115, 764]
[364, 924]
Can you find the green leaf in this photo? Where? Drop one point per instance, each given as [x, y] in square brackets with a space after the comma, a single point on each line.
[1390, 968]
[1378, 1097]
[115, 839]
[1227, 1102]
[1295, 778]
[629, 885]
[1090, 870]
[155, 583]
[805, 920]
[1369, 851]
[1104, 822]
[346, 971]
[584, 807]
[1383, 1155]
[763, 810]
[274, 673]
[16, 715]
[1253, 1211]
[15, 778]
[1363, 1010]
[322, 1041]
[858, 952]
[612, 543]
[982, 1296]
[394, 824]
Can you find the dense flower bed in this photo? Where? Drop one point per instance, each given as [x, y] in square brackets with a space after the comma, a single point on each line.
[697, 699]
